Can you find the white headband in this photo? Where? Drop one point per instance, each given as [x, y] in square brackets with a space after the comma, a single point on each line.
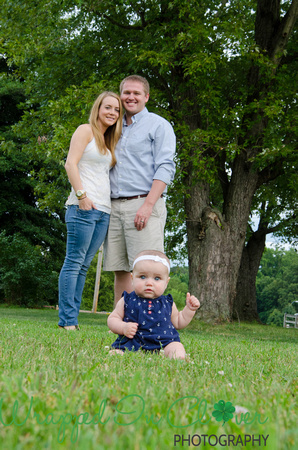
[153, 258]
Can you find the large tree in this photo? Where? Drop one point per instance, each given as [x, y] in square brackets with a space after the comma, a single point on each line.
[221, 72]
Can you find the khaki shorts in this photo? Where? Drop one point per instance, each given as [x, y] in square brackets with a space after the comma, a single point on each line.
[124, 241]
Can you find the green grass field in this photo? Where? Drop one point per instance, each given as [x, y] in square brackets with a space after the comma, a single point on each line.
[62, 389]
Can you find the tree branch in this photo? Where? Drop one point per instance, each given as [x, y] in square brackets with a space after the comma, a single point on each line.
[281, 37]
[267, 19]
[263, 228]
[273, 32]
[280, 225]
[222, 174]
[271, 172]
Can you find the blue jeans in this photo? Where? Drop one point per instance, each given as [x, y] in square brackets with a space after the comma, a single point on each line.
[86, 231]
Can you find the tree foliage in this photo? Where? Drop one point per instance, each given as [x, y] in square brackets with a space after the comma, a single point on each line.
[32, 240]
[28, 277]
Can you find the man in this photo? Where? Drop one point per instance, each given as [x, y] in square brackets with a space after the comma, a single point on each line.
[145, 166]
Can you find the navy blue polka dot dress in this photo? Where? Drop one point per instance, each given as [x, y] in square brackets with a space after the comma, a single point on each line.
[155, 329]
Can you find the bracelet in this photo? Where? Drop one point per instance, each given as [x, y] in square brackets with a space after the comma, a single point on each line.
[83, 198]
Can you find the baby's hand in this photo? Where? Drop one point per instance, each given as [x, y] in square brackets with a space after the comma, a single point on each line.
[192, 302]
[130, 329]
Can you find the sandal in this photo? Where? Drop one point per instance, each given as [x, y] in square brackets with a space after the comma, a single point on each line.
[70, 327]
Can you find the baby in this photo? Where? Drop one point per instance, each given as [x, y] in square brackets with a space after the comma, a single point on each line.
[146, 319]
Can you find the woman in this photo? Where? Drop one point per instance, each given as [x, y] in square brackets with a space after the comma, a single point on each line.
[90, 157]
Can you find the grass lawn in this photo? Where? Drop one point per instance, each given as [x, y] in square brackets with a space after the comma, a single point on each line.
[62, 389]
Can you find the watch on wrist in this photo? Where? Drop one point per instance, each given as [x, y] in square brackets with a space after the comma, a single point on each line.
[80, 194]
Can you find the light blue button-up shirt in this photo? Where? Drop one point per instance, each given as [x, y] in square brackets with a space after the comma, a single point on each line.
[144, 153]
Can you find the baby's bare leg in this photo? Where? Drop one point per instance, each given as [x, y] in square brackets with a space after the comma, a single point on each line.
[175, 350]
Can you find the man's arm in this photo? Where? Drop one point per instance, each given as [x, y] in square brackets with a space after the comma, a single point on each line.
[145, 211]
[163, 155]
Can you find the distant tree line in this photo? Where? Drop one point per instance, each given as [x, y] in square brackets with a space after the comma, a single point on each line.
[277, 285]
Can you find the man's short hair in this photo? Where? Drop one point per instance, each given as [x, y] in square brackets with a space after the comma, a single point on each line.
[136, 78]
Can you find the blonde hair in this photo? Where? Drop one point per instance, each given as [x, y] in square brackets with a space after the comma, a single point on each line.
[136, 78]
[113, 133]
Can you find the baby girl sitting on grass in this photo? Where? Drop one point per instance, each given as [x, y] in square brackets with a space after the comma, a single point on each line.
[146, 319]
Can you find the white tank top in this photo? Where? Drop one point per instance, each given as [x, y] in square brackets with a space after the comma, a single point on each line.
[94, 173]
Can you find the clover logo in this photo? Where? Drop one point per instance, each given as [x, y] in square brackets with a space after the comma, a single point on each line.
[223, 411]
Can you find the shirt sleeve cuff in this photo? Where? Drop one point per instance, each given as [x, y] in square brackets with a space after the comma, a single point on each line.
[164, 175]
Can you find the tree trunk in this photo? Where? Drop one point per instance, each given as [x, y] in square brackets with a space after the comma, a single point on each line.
[210, 271]
[245, 306]
[215, 243]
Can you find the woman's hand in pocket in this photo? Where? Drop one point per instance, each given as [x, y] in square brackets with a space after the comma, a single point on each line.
[86, 204]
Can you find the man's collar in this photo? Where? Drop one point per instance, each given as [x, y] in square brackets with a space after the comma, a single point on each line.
[137, 116]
